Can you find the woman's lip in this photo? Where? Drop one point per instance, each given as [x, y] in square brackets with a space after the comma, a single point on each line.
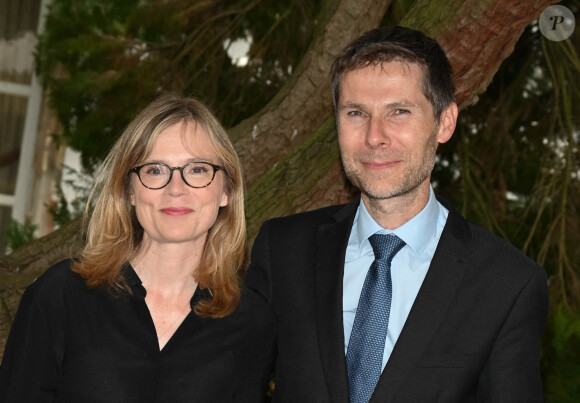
[176, 211]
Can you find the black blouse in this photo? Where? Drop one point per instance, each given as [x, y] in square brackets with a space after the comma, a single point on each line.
[72, 344]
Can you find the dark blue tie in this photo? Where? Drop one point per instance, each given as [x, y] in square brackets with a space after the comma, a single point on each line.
[364, 357]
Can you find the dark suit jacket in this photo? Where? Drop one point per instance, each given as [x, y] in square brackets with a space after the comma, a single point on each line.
[473, 333]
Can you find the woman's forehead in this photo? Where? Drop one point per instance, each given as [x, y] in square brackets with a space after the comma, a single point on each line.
[184, 139]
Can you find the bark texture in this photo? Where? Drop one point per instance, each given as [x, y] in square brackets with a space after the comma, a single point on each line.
[305, 102]
[482, 35]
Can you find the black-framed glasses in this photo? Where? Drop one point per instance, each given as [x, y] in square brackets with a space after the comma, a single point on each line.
[157, 175]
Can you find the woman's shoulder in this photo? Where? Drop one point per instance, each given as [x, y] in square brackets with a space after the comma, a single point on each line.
[52, 293]
[56, 279]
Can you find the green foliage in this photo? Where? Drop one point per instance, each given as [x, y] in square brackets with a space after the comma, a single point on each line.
[561, 356]
[102, 61]
[65, 211]
[18, 234]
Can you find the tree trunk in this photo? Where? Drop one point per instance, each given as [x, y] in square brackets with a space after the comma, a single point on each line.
[289, 150]
[477, 36]
[304, 103]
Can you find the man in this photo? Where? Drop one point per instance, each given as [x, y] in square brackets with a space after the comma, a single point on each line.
[396, 297]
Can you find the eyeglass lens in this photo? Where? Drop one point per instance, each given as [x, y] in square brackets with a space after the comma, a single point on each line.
[158, 175]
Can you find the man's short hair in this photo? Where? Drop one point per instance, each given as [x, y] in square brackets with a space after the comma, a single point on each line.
[388, 44]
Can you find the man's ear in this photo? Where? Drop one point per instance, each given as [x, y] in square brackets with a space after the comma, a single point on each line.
[447, 123]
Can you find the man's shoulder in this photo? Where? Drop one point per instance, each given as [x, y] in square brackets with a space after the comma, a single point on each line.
[494, 252]
[496, 246]
[314, 218]
[490, 250]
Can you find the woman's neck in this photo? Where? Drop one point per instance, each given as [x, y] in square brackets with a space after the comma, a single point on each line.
[167, 266]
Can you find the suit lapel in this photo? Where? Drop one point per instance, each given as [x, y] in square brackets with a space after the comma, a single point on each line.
[432, 302]
[331, 242]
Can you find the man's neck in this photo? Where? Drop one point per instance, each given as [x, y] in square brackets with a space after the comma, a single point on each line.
[393, 212]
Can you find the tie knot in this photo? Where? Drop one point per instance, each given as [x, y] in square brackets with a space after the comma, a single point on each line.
[386, 246]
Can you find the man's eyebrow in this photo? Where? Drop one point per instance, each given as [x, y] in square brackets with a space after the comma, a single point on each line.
[390, 105]
[400, 104]
[353, 105]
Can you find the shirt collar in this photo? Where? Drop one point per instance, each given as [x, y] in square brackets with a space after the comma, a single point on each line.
[130, 275]
[416, 232]
[134, 282]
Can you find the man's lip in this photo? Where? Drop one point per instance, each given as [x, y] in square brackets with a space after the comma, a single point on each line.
[380, 164]
[176, 211]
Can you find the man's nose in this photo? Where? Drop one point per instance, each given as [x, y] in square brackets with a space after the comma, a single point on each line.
[377, 134]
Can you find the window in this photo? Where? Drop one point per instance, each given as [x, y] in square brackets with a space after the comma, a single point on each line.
[20, 99]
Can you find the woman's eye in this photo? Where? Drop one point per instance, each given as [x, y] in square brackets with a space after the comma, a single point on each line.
[198, 170]
[154, 170]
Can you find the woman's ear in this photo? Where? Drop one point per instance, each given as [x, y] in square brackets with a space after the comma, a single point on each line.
[224, 200]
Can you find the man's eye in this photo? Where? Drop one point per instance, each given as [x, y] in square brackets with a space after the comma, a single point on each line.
[355, 113]
[401, 111]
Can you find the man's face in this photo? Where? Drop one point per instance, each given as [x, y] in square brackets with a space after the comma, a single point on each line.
[386, 129]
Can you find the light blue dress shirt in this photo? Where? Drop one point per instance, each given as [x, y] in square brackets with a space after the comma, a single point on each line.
[408, 268]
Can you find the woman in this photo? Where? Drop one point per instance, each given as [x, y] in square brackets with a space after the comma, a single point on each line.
[153, 310]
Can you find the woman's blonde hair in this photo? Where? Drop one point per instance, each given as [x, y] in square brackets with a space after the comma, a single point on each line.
[114, 233]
